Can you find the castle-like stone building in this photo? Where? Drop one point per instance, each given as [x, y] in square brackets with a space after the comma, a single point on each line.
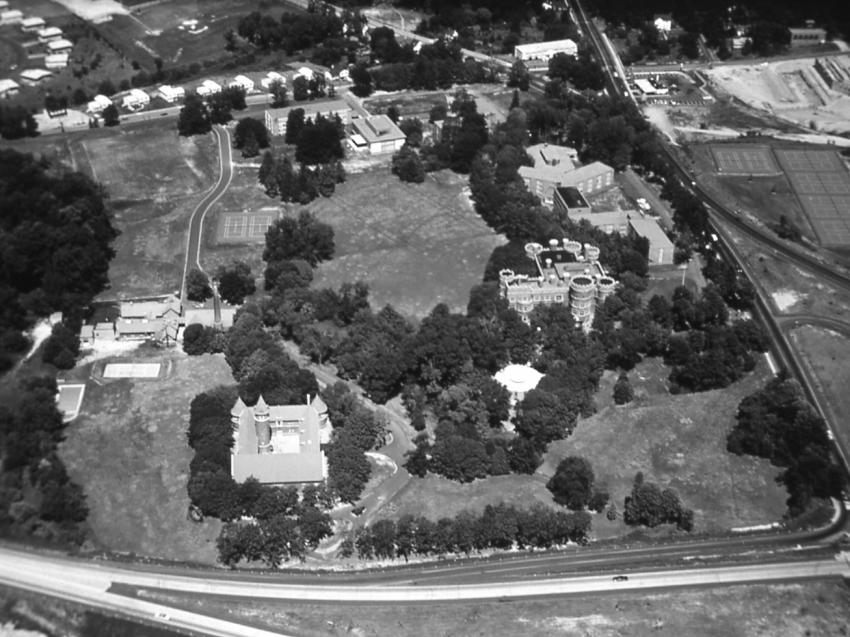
[569, 273]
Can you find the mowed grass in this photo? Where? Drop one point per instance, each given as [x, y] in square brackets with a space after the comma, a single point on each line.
[826, 354]
[154, 180]
[679, 442]
[810, 608]
[416, 245]
[128, 451]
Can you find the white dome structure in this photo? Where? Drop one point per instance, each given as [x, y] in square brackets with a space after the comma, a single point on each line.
[518, 379]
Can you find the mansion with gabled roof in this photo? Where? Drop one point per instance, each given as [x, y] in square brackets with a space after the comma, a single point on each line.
[280, 444]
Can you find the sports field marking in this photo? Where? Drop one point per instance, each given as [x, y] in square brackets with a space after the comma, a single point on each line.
[244, 227]
[131, 370]
[260, 224]
[69, 399]
[739, 160]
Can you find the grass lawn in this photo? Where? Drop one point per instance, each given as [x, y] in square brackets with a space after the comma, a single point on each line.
[678, 442]
[826, 353]
[128, 451]
[810, 608]
[154, 180]
[416, 245]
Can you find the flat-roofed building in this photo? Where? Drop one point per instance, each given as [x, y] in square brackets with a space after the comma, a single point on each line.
[49, 34]
[569, 200]
[56, 60]
[208, 87]
[62, 45]
[34, 77]
[632, 223]
[242, 81]
[276, 117]
[544, 51]
[552, 164]
[32, 24]
[11, 16]
[807, 36]
[379, 134]
[98, 104]
[136, 99]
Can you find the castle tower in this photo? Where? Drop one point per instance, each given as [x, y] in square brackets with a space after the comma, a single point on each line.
[582, 298]
[605, 287]
[261, 423]
[236, 412]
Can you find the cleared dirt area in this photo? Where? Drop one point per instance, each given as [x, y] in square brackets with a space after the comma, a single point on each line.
[812, 608]
[128, 451]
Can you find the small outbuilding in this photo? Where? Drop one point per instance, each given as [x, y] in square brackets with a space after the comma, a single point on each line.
[518, 380]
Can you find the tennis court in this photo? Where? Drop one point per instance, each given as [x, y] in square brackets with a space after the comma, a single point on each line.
[244, 227]
[822, 185]
[131, 370]
[744, 160]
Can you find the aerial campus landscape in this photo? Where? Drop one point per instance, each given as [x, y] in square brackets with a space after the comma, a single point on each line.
[408, 318]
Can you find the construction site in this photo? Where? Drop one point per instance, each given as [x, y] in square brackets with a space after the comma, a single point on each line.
[811, 92]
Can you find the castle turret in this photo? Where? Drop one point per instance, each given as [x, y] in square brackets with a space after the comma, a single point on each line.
[263, 428]
[605, 287]
[236, 412]
[582, 298]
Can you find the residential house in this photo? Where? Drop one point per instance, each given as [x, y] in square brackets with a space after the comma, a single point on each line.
[242, 81]
[61, 45]
[34, 77]
[49, 34]
[171, 94]
[270, 78]
[56, 60]
[98, 104]
[136, 99]
[32, 24]
[208, 87]
[280, 444]
[10, 16]
[9, 88]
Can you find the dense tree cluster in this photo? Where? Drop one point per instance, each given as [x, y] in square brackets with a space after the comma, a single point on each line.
[235, 282]
[250, 136]
[38, 497]
[778, 423]
[303, 238]
[280, 178]
[407, 165]
[464, 133]
[17, 122]
[198, 286]
[573, 485]
[203, 339]
[648, 505]
[581, 71]
[499, 526]
[198, 115]
[57, 237]
[62, 346]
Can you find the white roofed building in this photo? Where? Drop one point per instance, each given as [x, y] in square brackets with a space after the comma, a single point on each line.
[9, 88]
[11, 16]
[242, 81]
[518, 380]
[270, 78]
[544, 51]
[56, 60]
[208, 87]
[379, 134]
[98, 104]
[59, 46]
[32, 24]
[33, 77]
[171, 93]
[49, 33]
[276, 118]
[136, 99]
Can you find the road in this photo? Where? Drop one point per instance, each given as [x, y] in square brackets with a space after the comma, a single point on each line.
[196, 220]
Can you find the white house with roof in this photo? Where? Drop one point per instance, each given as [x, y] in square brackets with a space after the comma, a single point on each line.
[136, 99]
[11, 16]
[242, 81]
[272, 77]
[98, 104]
[171, 93]
[34, 77]
[378, 134]
[49, 34]
[9, 88]
[56, 60]
[544, 51]
[663, 23]
[4, 5]
[280, 444]
[208, 87]
[32, 24]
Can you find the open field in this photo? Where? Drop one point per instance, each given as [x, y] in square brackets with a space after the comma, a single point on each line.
[128, 451]
[678, 442]
[826, 354]
[154, 179]
[812, 608]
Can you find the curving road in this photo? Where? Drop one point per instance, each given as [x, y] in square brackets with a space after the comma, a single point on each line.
[195, 237]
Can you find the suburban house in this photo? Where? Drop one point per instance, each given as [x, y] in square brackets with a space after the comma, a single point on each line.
[158, 320]
[590, 179]
[9, 88]
[56, 60]
[136, 99]
[12, 16]
[171, 93]
[33, 24]
[663, 24]
[270, 78]
[98, 104]
[48, 34]
[552, 164]
[569, 200]
[59, 46]
[544, 51]
[208, 87]
[242, 81]
[377, 134]
[280, 444]
[33, 77]
[276, 117]
[632, 223]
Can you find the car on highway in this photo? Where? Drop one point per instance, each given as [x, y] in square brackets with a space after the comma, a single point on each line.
[621, 578]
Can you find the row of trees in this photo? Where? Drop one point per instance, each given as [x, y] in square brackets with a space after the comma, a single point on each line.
[499, 526]
[198, 115]
[778, 423]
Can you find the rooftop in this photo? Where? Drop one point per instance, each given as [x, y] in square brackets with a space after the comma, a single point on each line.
[589, 172]
[311, 108]
[378, 128]
[535, 47]
[518, 378]
[572, 198]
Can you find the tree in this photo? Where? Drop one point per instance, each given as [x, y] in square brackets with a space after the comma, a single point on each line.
[518, 76]
[280, 98]
[319, 141]
[303, 238]
[543, 417]
[300, 88]
[361, 80]
[198, 286]
[407, 165]
[294, 125]
[196, 339]
[61, 347]
[572, 484]
[194, 117]
[648, 505]
[623, 392]
[459, 458]
[235, 282]
[106, 87]
[248, 127]
[111, 116]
